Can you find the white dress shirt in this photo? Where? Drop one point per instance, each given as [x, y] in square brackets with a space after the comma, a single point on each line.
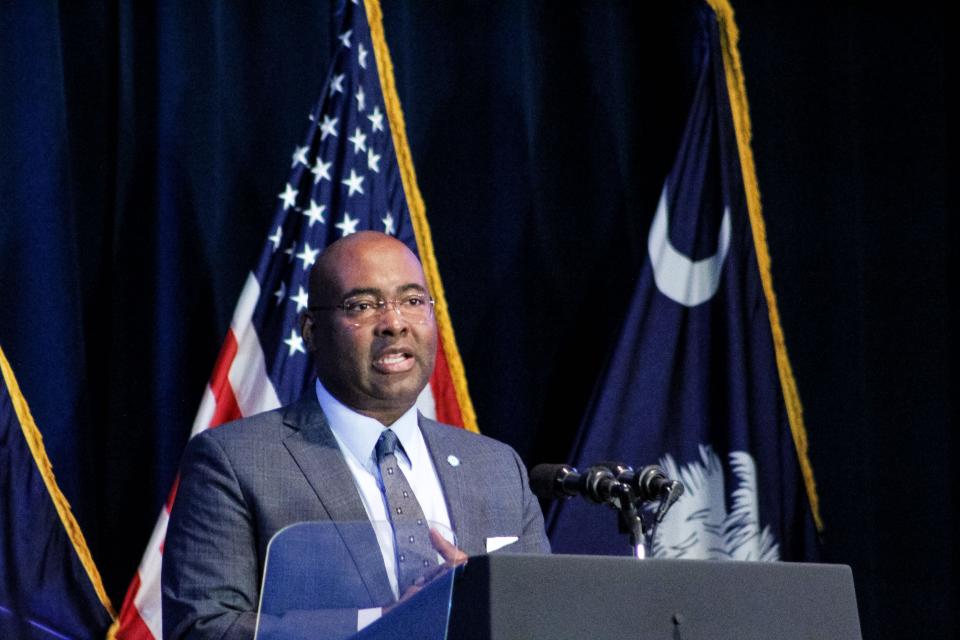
[357, 437]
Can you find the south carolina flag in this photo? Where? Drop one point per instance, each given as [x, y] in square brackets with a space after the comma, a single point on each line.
[699, 380]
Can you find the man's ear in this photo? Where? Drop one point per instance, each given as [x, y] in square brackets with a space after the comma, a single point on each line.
[307, 326]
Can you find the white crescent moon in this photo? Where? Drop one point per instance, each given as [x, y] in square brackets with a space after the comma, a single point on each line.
[688, 282]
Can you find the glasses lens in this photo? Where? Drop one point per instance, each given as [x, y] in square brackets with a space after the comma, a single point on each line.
[361, 309]
[416, 308]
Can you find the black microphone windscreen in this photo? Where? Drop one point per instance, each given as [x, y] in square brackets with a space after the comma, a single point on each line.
[543, 480]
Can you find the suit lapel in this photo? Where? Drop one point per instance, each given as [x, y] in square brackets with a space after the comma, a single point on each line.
[451, 470]
[315, 451]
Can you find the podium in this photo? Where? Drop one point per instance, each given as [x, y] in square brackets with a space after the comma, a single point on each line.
[524, 596]
[503, 596]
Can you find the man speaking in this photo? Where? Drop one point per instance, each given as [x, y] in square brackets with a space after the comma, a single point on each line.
[352, 449]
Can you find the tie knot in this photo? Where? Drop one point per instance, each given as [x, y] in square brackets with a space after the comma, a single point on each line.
[387, 444]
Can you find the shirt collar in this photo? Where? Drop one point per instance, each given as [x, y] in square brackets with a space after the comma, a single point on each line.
[358, 434]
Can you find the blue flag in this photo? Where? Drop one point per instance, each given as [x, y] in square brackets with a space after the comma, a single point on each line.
[49, 586]
[699, 382]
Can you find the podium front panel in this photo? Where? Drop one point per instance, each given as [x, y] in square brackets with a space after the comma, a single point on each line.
[529, 597]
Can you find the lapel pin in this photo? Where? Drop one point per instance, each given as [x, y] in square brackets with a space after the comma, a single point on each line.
[453, 460]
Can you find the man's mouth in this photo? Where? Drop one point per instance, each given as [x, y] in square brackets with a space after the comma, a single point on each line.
[394, 362]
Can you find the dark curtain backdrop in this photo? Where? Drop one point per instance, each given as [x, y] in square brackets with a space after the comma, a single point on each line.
[142, 147]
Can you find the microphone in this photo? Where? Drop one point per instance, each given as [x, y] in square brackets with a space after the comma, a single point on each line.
[650, 483]
[563, 481]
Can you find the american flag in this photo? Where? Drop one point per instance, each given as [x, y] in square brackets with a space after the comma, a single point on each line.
[352, 172]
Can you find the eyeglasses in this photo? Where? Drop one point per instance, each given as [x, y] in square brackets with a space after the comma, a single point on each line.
[360, 310]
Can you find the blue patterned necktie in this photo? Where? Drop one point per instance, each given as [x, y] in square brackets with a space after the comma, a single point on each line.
[414, 553]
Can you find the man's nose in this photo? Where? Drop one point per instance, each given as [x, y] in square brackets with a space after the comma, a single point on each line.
[391, 320]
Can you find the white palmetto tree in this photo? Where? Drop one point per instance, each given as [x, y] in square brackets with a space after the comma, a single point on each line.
[699, 525]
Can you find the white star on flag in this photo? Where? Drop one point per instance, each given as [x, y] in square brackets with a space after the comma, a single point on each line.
[361, 99]
[292, 249]
[345, 38]
[359, 140]
[280, 293]
[289, 197]
[321, 170]
[328, 127]
[276, 237]
[376, 119]
[354, 183]
[295, 342]
[362, 57]
[302, 299]
[388, 223]
[308, 255]
[373, 161]
[348, 225]
[336, 84]
[315, 212]
[300, 156]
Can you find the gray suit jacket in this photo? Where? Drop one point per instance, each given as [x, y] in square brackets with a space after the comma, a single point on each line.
[244, 481]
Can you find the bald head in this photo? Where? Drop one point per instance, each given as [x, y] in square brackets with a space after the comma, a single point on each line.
[377, 366]
[345, 255]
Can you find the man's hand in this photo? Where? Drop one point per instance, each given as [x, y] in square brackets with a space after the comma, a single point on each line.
[452, 556]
